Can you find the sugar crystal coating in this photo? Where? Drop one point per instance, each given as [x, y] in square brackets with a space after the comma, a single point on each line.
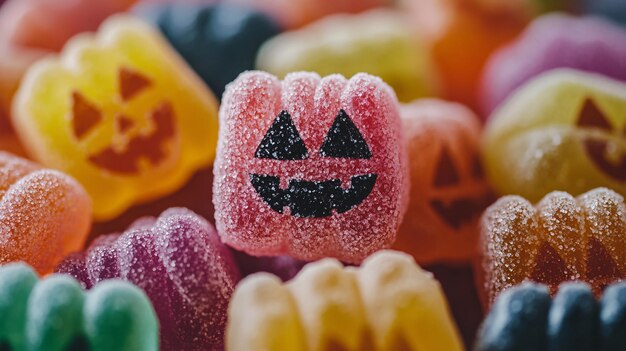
[272, 197]
[389, 303]
[563, 130]
[55, 314]
[177, 258]
[44, 214]
[448, 190]
[562, 238]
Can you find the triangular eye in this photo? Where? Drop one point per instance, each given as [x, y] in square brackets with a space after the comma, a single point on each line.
[591, 116]
[344, 140]
[85, 115]
[446, 171]
[282, 141]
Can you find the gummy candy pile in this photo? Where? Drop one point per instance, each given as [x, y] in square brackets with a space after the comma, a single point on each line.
[270, 175]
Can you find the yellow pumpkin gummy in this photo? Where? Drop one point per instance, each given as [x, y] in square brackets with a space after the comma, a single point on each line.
[120, 112]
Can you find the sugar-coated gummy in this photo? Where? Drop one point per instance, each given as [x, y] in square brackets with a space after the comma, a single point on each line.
[554, 41]
[562, 238]
[54, 314]
[448, 190]
[378, 42]
[219, 41]
[563, 130]
[524, 317]
[124, 115]
[177, 258]
[44, 214]
[309, 167]
[389, 303]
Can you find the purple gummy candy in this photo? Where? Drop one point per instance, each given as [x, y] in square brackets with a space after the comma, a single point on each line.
[179, 261]
[284, 267]
[554, 41]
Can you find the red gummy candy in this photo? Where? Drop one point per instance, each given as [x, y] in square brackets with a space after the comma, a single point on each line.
[309, 167]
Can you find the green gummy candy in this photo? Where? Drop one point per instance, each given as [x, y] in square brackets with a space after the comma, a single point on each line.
[54, 314]
[118, 316]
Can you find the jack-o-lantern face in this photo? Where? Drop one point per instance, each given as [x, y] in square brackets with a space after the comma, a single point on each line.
[606, 147]
[121, 113]
[309, 167]
[461, 211]
[564, 130]
[448, 190]
[129, 146]
[313, 198]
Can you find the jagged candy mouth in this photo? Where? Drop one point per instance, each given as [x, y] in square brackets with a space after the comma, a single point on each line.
[462, 211]
[313, 199]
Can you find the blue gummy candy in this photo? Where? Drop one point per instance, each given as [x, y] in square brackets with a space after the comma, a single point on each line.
[517, 321]
[219, 41]
[613, 318]
[573, 319]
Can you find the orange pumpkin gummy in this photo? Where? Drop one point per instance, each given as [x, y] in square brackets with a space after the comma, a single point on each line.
[561, 238]
[448, 190]
[44, 214]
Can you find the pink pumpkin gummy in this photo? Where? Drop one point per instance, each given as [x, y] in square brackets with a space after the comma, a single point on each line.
[179, 261]
[309, 167]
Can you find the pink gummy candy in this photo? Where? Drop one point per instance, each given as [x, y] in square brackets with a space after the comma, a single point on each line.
[179, 261]
[309, 167]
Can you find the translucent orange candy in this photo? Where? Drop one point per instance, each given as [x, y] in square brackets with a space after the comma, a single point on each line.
[448, 189]
[44, 214]
[561, 238]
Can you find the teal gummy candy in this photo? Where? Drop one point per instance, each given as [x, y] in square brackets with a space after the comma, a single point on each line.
[55, 314]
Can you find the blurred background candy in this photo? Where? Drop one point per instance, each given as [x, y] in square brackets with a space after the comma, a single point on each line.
[526, 318]
[461, 36]
[219, 41]
[30, 29]
[286, 153]
[124, 115]
[389, 303]
[377, 42]
[296, 13]
[54, 314]
[562, 238]
[448, 189]
[612, 9]
[554, 41]
[562, 130]
[177, 258]
[44, 214]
